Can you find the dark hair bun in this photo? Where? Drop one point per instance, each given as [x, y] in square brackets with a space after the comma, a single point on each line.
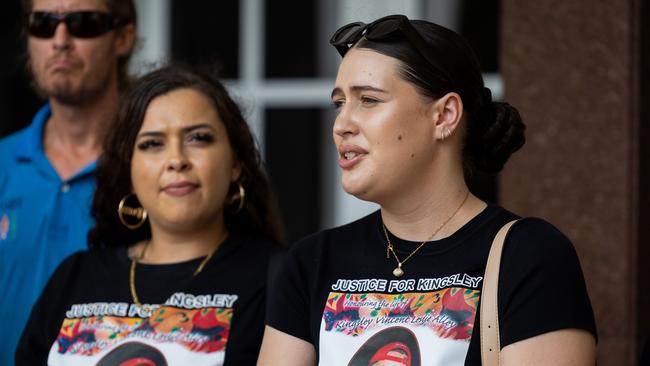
[489, 148]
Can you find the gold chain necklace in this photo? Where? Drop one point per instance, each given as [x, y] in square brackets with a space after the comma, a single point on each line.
[398, 271]
[134, 261]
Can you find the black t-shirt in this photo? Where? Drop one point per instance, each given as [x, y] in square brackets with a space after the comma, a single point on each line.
[86, 315]
[335, 289]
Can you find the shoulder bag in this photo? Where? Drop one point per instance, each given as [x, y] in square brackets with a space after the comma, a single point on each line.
[490, 343]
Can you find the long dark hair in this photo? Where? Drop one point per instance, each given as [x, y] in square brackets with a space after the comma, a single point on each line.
[494, 130]
[258, 217]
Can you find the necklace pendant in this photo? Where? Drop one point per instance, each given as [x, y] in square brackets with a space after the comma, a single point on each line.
[145, 308]
[398, 272]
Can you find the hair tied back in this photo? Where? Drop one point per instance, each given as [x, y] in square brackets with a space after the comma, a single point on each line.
[486, 97]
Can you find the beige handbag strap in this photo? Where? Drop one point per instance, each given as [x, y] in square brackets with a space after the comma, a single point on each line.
[490, 343]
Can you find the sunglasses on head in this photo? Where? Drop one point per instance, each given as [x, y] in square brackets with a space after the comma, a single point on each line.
[80, 24]
[379, 30]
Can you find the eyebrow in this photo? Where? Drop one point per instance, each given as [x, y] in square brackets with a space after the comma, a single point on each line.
[184, 130]
[357, 88]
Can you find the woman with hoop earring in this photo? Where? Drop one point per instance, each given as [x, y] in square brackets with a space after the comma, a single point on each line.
[186, 226]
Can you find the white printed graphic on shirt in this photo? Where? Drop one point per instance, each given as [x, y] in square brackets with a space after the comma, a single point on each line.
[187, 329]
[411, 322]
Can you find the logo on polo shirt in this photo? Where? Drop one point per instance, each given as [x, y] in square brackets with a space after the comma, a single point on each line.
[4, 227]
[8, 226]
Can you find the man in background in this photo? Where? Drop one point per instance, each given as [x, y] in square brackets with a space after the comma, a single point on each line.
[78, 54]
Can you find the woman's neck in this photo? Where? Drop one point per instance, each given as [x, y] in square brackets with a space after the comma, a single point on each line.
[172, 247]
[439, 205]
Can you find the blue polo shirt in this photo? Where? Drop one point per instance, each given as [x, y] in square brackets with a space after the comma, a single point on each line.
[43, 219]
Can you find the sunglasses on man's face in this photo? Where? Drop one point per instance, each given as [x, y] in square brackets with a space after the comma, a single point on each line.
[80, 24]
[380, 30]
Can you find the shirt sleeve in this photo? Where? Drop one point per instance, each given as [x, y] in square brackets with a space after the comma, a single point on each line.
[541, 285]
[44, 321]
[288, 305]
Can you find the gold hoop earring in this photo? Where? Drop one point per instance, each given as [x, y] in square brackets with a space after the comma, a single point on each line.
[137, 212]
[241, 196]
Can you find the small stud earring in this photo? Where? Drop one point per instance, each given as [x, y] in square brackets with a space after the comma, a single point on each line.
[445, 133]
